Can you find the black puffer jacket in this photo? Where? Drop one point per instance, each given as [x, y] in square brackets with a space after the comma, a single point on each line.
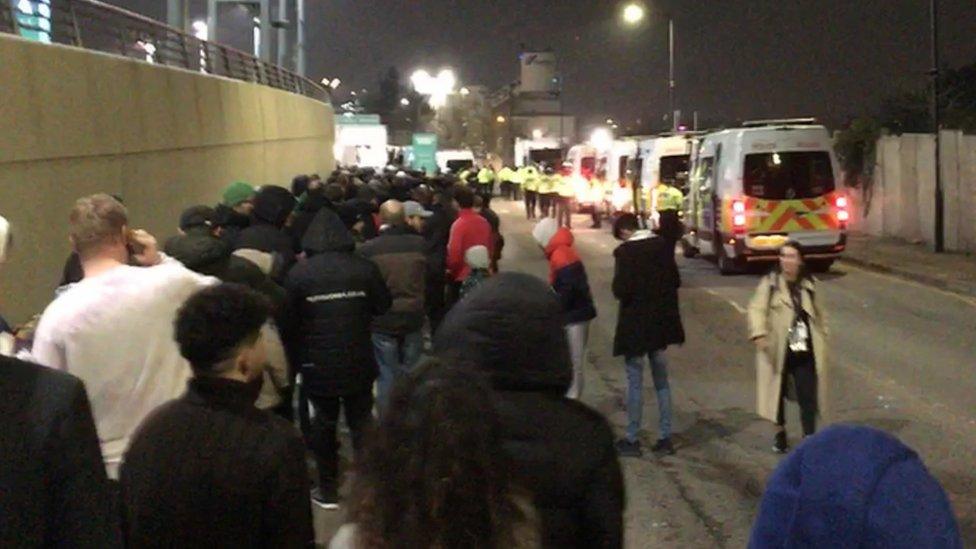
[511, 327]
[646, 282]
[335, 295]
[272, 206]
[315, 200]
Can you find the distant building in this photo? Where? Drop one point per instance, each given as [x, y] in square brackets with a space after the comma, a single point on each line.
[531, 107]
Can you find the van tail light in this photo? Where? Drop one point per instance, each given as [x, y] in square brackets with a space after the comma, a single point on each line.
[739, 216]
[843, 213]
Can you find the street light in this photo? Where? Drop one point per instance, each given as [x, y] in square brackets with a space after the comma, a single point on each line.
[405, 102]
[633, 13]
[536, 134]
[500, 119]
[464, 91]
[601, 138]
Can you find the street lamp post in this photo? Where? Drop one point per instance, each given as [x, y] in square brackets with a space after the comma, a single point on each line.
[934, 99]
[633, 14]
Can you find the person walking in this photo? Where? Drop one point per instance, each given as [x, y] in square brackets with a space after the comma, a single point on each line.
[53, 488]
[209, 469]
[398, 339]
[788, 326]
[469, 229]
[233, 214]
[568, 279]
[529, 176]
[437, 234]
[272, 208]
[511, 329]
[645, 282]
[114, 329]
[486, 182]
[335, 295]
[461, 494]
[548, 192]
[566, 197]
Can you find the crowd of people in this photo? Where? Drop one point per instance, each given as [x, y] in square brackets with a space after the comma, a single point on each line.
[169, 394]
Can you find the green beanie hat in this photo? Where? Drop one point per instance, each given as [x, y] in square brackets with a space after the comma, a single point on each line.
[237, 192]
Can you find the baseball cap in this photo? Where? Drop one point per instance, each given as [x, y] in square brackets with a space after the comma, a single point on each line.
[197, 216]
[414, 209]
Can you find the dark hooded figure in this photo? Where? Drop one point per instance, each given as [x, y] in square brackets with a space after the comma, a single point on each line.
[272, 207]
[335, 296]
[511, 328]
[315, 200]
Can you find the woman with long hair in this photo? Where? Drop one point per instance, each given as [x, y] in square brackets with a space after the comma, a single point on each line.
[789, 329]
[434, 473]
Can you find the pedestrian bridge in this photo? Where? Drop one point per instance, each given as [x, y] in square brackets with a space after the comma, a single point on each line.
[97, 99]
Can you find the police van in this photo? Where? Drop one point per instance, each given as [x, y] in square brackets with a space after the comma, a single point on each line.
[752, 188]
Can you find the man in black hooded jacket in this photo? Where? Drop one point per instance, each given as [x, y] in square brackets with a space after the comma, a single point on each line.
[511, 328]
[272, 208]
[335, 296]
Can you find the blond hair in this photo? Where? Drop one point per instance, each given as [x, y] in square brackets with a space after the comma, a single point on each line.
[95, 221]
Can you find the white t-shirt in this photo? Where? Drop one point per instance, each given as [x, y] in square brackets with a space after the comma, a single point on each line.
[115, 332]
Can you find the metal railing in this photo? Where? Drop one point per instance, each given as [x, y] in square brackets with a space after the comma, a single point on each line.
[97, 26]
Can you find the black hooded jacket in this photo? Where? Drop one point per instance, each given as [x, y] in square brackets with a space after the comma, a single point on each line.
[231, 224]
[272, 207]
[335, 295]
[511, 328]
[315, 200]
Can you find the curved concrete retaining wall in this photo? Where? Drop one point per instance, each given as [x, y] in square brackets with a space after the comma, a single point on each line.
[75, 122]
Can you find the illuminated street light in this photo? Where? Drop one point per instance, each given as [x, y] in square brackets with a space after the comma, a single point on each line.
[536, 134]
[200, 29]
[609, 120]
[405, 102]
[436, 88]
[332, 83]
[601, 138]
[464, 91]
[633, 13]
[500, 119]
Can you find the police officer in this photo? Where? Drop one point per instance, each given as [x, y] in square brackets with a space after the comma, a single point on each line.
[547, 192]
[529, 177]
[601, 187]
[566, 192]
[507, 176]
[668, 201]
[486, 183]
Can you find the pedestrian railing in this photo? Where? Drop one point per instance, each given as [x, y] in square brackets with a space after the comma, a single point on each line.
[97, 26]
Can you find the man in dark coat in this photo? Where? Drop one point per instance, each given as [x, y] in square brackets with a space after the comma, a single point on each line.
[53, 488]
[646, 282]
[511, 328]
[233, 214]
[209, 469]
[272, 208]
[398, 338]
[335, 296]
[437, 232]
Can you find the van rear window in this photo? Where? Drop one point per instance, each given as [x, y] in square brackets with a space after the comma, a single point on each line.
[672, 166]
[788, 175]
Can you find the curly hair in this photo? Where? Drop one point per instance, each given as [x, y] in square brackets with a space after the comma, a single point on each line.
[434, 473]
[216, 321]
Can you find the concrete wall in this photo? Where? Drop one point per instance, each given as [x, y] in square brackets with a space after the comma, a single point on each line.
[901, 202]
[76, 122]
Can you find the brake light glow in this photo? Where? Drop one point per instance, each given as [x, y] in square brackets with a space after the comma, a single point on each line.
[739, 215]
[842, 204]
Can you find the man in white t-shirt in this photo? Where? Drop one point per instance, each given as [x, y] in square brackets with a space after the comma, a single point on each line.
[114, 329]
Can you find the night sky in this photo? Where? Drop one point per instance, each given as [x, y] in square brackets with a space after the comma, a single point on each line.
[735, 59]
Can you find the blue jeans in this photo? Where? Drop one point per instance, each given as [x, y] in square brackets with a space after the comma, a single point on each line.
[635, 396]
[396, 357]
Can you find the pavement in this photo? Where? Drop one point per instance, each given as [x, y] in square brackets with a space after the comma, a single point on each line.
[953, 272]
[901, 359]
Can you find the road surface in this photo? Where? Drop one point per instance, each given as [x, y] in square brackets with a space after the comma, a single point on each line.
[902, 359]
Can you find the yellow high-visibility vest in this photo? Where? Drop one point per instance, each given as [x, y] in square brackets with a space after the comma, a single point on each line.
[565, 187]
[529, 177]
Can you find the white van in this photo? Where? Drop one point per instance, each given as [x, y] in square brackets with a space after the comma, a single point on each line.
[752, 188]
[454, 160]
[621, 157]
[583, 162]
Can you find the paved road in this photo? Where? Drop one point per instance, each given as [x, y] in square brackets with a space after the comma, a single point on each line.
[903, 358]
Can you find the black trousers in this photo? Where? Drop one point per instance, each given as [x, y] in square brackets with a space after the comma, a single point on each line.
[434, 301]
[564, 211]
[801, 371]
[531, 199]
[324, 429]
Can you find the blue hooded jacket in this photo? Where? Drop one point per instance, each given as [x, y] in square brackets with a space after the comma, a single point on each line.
[852, 486]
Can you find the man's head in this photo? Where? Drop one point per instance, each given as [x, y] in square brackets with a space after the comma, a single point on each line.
[299, 185]
[625, 226]
[479, 203]
[197, 218]
[240, 197]
[423, 195]
[99, 227]
[218, 331]
[391, 213]
[463, 197]
[334, 193]
[415, 214]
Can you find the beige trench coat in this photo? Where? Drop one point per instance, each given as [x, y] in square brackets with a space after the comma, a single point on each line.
[771, 316]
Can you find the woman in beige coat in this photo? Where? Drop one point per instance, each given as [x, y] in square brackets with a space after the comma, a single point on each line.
[788, 326]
